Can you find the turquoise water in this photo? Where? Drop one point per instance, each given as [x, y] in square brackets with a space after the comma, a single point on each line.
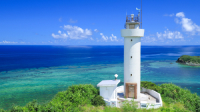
[23, 84]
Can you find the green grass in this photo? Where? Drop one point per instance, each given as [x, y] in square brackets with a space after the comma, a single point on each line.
[193, 59]
[86, 98]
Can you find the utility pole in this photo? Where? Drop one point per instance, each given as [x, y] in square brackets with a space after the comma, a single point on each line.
[141, 14]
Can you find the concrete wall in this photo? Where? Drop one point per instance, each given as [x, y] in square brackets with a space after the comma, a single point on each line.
[120, 89]
[112, 103]
[108, 92]
[110, 95]
[155, 94]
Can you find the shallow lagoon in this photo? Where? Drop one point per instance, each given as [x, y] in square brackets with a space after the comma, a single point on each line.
[91, 64]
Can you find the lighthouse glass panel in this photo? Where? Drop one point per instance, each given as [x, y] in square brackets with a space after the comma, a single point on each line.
[131, 26]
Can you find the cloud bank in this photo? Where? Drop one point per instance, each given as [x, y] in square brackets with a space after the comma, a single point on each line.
[8, 42]
[169, 35]
[187, 24]
[106, 38]
[72, 32]
[163, 36]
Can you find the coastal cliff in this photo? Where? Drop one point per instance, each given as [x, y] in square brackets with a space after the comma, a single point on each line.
[189, 60]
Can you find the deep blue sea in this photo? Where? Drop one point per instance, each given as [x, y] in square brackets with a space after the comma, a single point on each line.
[39, 72]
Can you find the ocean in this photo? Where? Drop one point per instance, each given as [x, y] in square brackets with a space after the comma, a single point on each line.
[29, 72]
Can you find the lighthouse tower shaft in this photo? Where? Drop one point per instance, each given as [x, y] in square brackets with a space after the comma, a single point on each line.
[132, 57]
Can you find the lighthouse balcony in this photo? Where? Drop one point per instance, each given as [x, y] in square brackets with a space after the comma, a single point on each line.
[130, 18]
[132, 32]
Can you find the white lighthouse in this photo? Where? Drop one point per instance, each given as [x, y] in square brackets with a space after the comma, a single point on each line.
[132, 56]
[113, 95]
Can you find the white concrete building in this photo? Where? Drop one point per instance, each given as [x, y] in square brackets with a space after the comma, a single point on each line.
[112, 94]
[108, 91]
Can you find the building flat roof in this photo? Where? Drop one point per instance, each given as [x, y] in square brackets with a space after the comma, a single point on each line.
[108, 83]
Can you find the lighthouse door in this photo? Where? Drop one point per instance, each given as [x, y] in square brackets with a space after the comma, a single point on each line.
[131, 91]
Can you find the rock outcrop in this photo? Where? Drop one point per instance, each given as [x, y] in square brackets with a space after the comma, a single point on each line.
[181, 61]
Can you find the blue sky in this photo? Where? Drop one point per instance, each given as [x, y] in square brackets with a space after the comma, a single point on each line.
[97, 22]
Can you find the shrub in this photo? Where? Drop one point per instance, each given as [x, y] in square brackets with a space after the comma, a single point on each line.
[129, 106]
[98, 101]
[76, 95]
[1, 110]
[150, 85]
[33, 106]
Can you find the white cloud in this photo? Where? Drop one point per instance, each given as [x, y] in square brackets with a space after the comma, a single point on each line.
[169, 35]
[72, 21]
[7, 42]
[166, 36]
[180, 14]
[64, 35]
[187, 24]
[112, 37]
[73, 32]
[105, 38]
[95, 30]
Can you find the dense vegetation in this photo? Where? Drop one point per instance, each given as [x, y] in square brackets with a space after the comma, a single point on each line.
[188, 59]
[85, 98]
[69, 100]
[171, 93]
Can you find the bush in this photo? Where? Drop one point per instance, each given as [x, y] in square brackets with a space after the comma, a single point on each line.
[77, 95]
[98, 101]
[150, 85]
[129, 106]
[1, 110]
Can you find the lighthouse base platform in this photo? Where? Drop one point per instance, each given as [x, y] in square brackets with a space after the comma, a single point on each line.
[113, 95]
[148, 98]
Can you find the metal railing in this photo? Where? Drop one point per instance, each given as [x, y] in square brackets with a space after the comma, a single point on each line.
[135, 18]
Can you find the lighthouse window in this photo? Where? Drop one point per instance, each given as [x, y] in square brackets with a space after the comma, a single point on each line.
[131, 74]
[131, 39]
[131, 26]
[131, 56]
